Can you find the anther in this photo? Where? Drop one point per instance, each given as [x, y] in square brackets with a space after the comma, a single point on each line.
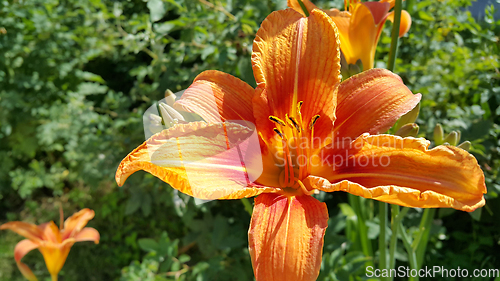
[277, 120]
[299, 106]
[313, 121]
[277, 131]
[293, 123]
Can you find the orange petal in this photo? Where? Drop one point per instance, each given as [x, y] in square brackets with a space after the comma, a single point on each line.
[405, 23]
[371, 102]
[402, 171]
[26, 271]
[50, 232]
[22, 248]
[286, 237]
[76, 223]
[294, 4]
[27, 230]
[55, 255]
[217, 96]
[88, 234]
[297, 59]
[207, 161]
[378, 10]
[362, 37]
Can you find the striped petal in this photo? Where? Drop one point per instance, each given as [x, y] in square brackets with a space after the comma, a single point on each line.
[22, 248]
[88, 234]
[77, 222]
[217, 96]
[27, 230]
[297, 59]
[371, 102]
[286, 237]
[403, 171]
[207, 161]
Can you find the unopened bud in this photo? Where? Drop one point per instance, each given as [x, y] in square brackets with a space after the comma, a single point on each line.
[408, 130]
[452, 138]
[465, 145]
[155, 125]
[409, 117]
[170, 116]
[169, 97]
[438, 134]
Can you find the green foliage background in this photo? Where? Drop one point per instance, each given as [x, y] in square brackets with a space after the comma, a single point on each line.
[76, 77]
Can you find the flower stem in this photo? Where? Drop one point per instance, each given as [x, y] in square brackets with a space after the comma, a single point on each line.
[412, 257]
[382, 245]
[396, 220]
[54, 277]
[366, 245]
[247, 205]
[395, 36]
[306, 12]
[423, 235]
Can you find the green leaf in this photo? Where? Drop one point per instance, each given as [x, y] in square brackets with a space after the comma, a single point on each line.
[148, 244]
[156, 10]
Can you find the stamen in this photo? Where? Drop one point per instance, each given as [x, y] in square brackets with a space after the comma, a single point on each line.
[293, 123]
[277, 120]
[299, 106]
[277, 131]
[313, 121]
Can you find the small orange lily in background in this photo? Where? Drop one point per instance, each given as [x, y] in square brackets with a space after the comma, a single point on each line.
[312, 133]
[360, 26]
[52, 242]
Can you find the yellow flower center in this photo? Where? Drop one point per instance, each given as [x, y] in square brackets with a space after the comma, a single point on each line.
[296, 145]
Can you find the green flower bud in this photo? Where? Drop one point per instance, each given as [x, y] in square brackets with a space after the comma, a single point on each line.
[438, 134]
[408, 118]
[408, 130]
[452, 138]
[466, 145]
[169, 97]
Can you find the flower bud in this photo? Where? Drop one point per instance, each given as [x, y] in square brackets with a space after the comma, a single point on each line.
[408, 130]
[465, 145]
[452, 138]
[169, 97]
[170, 116]
[438, 134]
[408, 118]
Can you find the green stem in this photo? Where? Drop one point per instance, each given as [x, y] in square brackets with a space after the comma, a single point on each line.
[366, 245]
[306, 12]
[394, 238]
[423, 236]
[412, 257]
[54, 277]
[394, 35]
[247, 205]
[397, 218]
[382, 246]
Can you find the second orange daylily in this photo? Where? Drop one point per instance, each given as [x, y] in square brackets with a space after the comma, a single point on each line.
[52, 242]
[299, 131]
[360, 26]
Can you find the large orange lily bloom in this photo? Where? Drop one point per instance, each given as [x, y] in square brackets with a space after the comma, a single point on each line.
[360, 26]
[52, 242]
[298, 105]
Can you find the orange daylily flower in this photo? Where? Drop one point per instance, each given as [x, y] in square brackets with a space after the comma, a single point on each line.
[52, 242]
[360, 26]
[299, 131]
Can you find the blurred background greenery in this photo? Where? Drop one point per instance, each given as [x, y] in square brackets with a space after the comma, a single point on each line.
[77, 75]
